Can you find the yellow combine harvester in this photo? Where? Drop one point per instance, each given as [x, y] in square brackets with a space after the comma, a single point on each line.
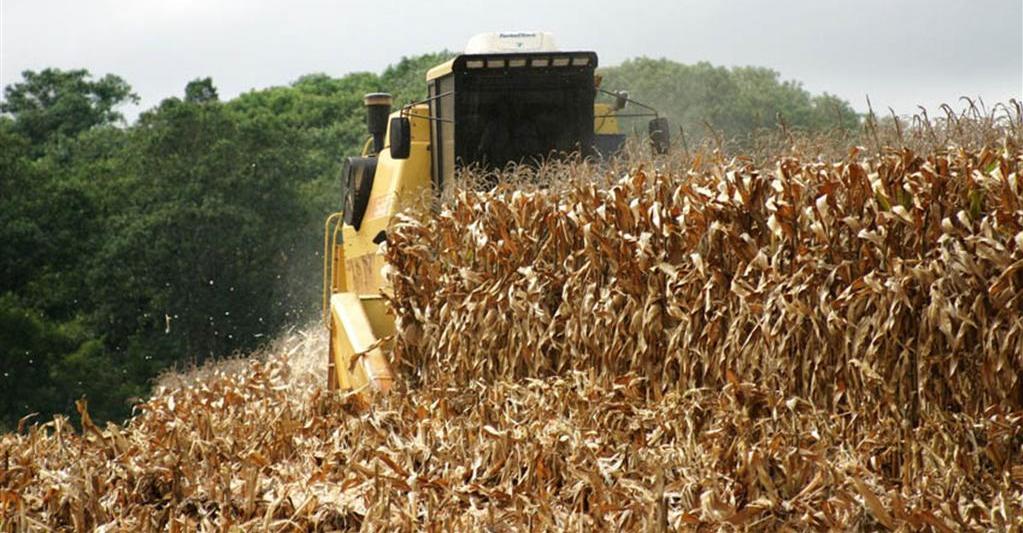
[510, 98]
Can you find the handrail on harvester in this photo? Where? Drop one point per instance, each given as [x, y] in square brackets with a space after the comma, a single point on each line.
[329, 242]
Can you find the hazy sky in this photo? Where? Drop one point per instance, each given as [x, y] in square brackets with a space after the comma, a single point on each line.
[900, 52]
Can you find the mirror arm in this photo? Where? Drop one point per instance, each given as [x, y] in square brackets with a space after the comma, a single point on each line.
[406, 110]
[428, 117]
[631, 101]
[426, 100]
[627, 115]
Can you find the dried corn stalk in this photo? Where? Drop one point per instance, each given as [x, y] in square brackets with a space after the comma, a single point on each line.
[809, 346]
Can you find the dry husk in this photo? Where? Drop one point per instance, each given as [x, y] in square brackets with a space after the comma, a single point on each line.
[809, 346]
[863, 285]
[886, 292]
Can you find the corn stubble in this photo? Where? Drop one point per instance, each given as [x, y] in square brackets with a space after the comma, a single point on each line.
[715, 345]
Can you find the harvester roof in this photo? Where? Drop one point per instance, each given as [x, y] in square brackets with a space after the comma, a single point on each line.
[512, 49]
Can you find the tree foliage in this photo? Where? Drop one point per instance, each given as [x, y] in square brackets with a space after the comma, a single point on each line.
[57, 102]
[215, 219]
[200, 91]
[734, 102]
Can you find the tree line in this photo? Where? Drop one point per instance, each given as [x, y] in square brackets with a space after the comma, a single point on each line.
[194, 232]
[733, 103]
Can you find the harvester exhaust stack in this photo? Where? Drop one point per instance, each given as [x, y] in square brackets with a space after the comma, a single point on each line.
[378, 107]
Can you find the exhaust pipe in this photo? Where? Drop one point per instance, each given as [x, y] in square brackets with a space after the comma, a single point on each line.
[378, 108]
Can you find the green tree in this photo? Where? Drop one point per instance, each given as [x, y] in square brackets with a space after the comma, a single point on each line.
[735, 102]
[19, 228]
[406, 80]
[51, 216]
[213, 222]
[29, 350]
[201, 90]
[63, 102]
[45, 367]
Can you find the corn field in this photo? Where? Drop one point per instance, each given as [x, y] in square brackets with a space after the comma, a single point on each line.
[856, 285]
[707, 344]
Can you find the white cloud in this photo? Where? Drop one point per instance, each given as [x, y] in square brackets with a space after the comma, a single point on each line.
[902, 53]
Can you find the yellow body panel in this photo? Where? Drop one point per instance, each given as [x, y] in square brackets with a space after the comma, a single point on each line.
[357, 325]
[604, 119]
[358, 315]
[397, 185]
[440, 70]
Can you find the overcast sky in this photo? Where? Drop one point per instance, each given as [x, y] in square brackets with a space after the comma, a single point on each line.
[900, 52]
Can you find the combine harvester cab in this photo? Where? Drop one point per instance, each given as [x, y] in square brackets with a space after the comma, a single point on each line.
[510, 98]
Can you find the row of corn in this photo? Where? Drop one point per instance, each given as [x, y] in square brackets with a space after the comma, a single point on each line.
[808, 345]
